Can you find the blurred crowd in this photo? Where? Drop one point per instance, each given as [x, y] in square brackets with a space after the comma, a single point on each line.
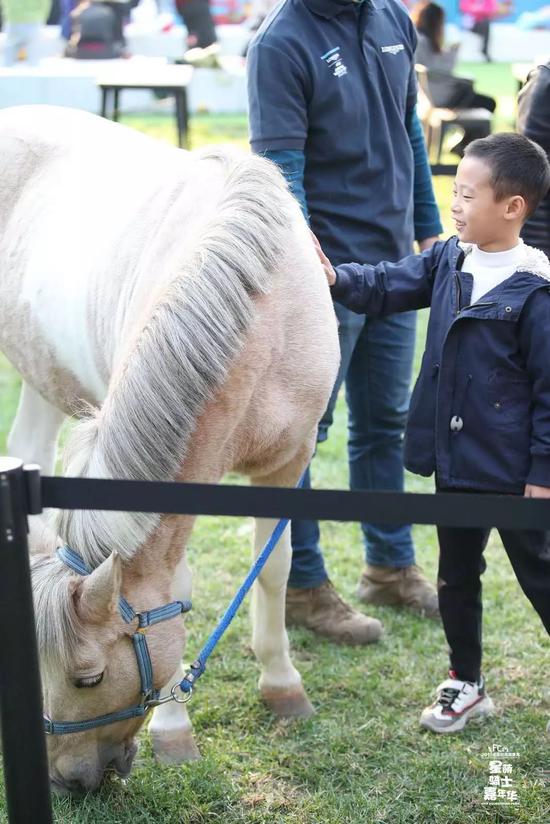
[94, 29]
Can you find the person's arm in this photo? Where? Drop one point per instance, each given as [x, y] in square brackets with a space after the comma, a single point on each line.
[277, 106]
[448, 58]
[537, 121]
[534, 340]
[427, 223]
[387, 287]
[291, 162]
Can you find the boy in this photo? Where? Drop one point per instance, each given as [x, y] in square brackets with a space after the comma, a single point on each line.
[479, 415]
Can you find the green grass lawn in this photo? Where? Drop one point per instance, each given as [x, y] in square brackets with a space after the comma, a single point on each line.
[362, 758]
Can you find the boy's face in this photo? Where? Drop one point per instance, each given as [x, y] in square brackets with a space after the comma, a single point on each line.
[478, 217]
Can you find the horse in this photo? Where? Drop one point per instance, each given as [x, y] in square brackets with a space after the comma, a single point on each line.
[174, 304]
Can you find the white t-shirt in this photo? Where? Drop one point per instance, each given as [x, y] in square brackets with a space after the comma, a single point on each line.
[491, 268]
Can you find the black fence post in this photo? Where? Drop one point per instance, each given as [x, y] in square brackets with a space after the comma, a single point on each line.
[23, 742]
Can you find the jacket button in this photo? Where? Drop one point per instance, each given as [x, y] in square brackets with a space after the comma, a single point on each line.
[497, 404]
[456, 424]
[508, 309]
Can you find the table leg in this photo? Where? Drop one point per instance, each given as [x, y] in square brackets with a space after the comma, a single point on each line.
[182, 117]
[116, 94]
[179, 122]
[103, 102]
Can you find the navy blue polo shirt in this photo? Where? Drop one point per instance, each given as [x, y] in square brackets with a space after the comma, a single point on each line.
[336, 81]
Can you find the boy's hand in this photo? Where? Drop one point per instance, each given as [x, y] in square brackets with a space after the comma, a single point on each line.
[532, 491]
[327, 265]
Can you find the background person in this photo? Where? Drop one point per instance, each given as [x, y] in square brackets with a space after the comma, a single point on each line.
[23, 21]
[121, 10]
[478, 15]
[95, 32]
[202, 47]
[480, 411]
[446, 89]
[332, 96]
[66, 7]
[534, 122]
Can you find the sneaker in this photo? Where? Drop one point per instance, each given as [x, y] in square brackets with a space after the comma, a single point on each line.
[203, 58]
[321, 610]
[405, 586]
[456, 703]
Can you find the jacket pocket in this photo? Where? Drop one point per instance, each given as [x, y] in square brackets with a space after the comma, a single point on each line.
[509, 396]
[420, 432]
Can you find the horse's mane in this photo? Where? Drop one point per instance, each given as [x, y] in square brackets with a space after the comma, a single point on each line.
[182, 355]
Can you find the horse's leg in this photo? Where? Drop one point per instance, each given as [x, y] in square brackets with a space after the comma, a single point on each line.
[280, 682]
[170, 727]
[171, 730]
[35, 430]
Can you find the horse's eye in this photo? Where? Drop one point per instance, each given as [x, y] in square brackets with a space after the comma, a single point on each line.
[89, 681]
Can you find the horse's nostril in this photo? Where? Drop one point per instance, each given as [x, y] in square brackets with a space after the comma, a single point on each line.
[122, 763]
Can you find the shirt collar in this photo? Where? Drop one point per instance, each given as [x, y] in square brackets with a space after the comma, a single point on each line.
[331, 8]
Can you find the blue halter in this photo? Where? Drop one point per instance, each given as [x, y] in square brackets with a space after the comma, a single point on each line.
[150, 696]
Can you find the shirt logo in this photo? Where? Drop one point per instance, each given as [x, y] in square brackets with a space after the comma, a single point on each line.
[393, 49]
[332, 58]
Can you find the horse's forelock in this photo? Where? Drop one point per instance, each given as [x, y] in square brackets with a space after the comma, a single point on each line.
[58, 629]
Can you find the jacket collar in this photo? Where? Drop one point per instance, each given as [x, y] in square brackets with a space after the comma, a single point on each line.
[534, 261]
[506, 300]
[332, 8]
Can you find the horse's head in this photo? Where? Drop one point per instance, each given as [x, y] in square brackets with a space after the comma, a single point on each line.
[95, 664]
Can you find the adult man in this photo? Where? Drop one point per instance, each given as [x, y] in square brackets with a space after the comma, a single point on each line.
[332, 96]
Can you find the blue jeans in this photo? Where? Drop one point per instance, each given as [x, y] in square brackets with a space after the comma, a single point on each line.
[22, 36]
[377, 357]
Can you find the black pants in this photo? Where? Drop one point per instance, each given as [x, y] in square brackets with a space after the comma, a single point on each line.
[198, 21]
[467, 98]
[461, 564]
[483, 28]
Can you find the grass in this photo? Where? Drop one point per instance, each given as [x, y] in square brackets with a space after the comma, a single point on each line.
[362, 758]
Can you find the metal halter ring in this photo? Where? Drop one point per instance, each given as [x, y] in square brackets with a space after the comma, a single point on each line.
[187, 696]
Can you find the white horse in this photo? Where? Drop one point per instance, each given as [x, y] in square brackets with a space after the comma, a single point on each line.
[175, 303]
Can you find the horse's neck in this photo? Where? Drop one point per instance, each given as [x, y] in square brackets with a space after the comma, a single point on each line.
[185, 340]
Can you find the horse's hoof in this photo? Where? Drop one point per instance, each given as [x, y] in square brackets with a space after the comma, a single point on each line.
[174, 747]
[288, 703]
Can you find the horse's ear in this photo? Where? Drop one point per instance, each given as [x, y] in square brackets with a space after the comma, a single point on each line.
[96, 596]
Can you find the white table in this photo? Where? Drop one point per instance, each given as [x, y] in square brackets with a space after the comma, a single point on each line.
[168, 79]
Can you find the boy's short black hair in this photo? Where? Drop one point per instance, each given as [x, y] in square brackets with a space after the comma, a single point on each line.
[518, 166]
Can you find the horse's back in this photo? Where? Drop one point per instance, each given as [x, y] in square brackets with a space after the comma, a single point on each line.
[80, 199]
[96, 220]
[49, 132]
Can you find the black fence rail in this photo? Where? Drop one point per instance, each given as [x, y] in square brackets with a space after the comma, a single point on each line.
[23, 492]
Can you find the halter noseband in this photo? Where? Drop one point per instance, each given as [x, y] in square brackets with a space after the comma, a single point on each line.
[150, 697]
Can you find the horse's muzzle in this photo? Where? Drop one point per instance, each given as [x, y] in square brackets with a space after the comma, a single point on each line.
[118, 760]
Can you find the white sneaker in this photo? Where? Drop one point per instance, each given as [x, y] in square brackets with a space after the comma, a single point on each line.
[456, 703]
[203, 58]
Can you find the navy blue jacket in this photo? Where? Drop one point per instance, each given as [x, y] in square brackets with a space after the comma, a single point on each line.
[479, 415]
[335, 81]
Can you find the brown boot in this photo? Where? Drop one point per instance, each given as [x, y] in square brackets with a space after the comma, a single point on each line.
[408, 587]
[321, 610]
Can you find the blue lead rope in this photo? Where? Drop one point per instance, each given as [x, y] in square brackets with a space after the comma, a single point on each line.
[198, 667]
